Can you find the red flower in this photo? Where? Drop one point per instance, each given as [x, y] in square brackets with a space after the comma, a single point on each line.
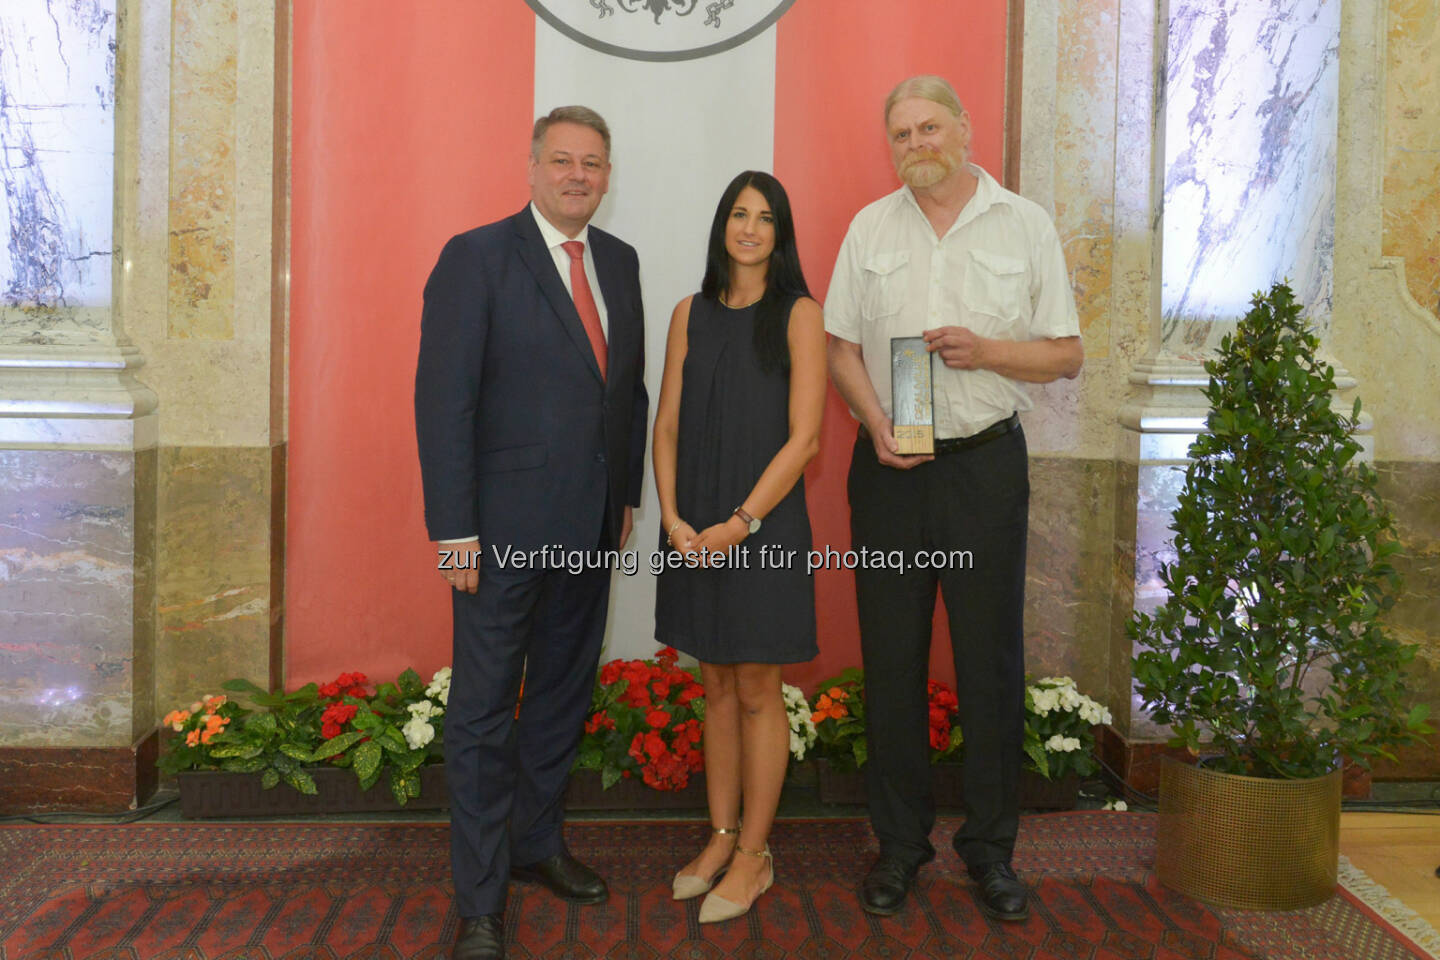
[658, 719]
[599, 721]
[336, 716]
[943, 706]
[347, 684]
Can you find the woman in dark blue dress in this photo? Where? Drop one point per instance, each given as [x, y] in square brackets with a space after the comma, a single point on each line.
[737, 421]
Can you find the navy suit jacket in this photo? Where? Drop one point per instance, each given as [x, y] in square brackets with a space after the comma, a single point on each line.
[521, 440]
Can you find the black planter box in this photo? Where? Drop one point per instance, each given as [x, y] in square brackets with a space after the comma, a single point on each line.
[585, 793]
[209, 794]
[213, 794]
[1036, 793]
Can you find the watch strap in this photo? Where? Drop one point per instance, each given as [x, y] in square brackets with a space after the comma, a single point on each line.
[751, 522]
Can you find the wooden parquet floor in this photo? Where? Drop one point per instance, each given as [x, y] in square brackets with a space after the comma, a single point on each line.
[1400, 851]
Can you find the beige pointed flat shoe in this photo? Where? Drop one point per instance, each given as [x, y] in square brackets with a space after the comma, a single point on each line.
[716, 909]
[687, 886]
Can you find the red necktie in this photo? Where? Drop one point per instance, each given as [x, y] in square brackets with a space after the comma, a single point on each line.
[585, 302]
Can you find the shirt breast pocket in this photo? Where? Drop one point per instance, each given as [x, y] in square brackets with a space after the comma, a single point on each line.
[885, 279]
[996, 285]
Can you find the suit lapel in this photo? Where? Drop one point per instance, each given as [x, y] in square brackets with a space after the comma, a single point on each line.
[536, 257]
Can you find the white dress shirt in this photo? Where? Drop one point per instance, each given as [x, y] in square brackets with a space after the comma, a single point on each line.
[553, 239]
[999, 271]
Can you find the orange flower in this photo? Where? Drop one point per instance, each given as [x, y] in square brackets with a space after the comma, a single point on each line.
[837, 694]
[215, 703]
[192, 738]
[175, 719]
[829, 707]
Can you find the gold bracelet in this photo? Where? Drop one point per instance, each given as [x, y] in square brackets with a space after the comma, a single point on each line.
[671, 532]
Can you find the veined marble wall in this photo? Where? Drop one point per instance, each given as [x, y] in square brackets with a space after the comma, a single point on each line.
[77, 431]
[202, 304]
[1385, 331]
[1251, 94]
[160, 129]
[1411, 221]
[1095, 151]
[1412, 146]
[57, 148]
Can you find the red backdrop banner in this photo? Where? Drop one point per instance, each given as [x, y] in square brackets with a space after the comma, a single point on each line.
[409, 125]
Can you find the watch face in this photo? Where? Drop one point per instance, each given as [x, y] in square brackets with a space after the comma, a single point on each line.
[755, 525]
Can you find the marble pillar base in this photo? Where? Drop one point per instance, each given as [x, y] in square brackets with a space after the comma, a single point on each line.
[1067, 569]
[36, 780]
[77, 597]
[1412, 492]
[221, 569]
[1134, 763]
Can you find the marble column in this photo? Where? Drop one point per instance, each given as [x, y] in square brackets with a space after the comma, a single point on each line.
[77, 429]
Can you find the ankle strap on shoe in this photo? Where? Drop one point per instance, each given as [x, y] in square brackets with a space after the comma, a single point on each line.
[725, 831]
[763, 853]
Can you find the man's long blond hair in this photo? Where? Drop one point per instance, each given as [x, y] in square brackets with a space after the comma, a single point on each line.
[927, 86]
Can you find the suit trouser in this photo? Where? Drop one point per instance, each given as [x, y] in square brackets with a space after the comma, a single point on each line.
[506, 775]
[977, 500]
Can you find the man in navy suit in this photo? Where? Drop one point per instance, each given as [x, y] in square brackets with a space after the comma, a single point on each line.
[530, 411]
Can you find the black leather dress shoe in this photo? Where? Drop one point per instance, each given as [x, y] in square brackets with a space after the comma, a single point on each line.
[1002, 895]
[481, 938]
[884, 888]
[567, 878]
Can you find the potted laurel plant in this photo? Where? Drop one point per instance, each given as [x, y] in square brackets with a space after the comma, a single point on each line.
[1269, 654]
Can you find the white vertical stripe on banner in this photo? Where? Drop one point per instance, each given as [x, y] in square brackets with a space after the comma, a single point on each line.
[680, 131]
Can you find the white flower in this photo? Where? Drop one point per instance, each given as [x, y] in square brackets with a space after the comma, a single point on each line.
[1113, 804]
[1055, 744]
[439, 688]
[418, 732]
[424, 709]
[797, 712]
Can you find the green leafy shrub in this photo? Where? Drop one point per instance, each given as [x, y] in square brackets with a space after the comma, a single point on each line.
[1270, 646]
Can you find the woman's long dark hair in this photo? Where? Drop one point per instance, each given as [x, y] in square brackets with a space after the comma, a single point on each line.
[784, 281]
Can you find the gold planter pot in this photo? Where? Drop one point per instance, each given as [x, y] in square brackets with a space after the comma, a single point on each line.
[1248, 842]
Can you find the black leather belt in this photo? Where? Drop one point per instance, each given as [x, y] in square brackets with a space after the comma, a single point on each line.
[956, 444]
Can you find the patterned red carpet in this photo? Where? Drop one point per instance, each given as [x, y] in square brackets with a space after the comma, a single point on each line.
[316, 891]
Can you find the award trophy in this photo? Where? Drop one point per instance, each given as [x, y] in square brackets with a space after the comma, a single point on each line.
[912, 395]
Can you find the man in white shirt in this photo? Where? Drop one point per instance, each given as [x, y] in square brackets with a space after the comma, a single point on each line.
[979, 272]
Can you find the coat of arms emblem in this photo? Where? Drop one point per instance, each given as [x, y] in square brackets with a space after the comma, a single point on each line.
[660, 29]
